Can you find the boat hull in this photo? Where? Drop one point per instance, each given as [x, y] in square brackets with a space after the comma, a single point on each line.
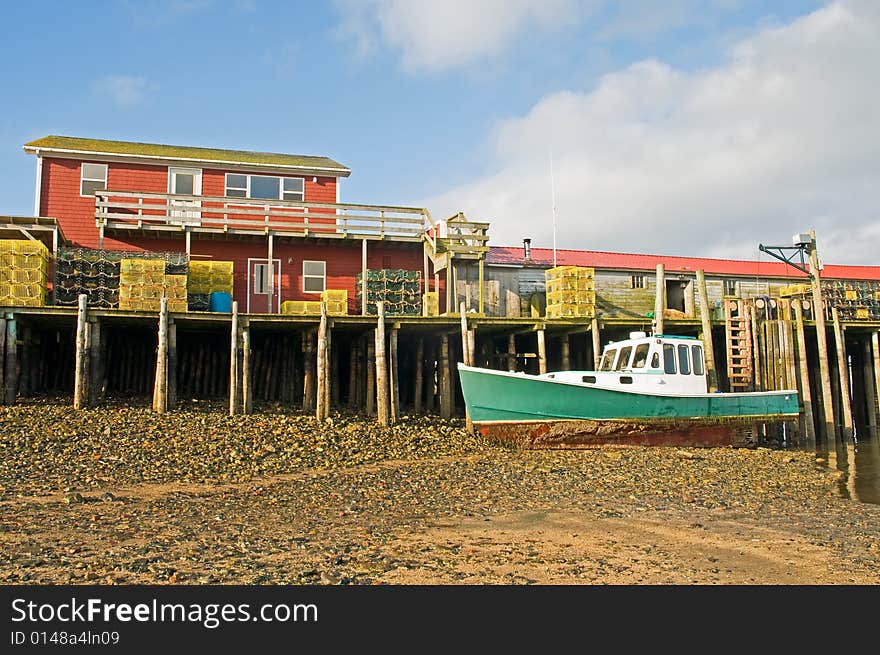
[531, 411]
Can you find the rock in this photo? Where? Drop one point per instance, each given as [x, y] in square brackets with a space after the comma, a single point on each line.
[74, 497]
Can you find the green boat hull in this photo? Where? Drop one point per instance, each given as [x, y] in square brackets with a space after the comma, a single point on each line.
[536, 411]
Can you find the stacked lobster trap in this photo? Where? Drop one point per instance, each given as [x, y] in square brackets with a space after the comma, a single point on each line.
[571, 292]
[399, 289]
[23, 272]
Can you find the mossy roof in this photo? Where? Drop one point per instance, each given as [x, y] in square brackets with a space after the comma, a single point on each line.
[186, 153]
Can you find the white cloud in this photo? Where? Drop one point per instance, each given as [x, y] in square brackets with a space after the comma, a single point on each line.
[780, 138]
[437, 36]
[123, 90]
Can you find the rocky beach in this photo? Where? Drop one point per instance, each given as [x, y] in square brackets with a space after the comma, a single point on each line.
[120, 495]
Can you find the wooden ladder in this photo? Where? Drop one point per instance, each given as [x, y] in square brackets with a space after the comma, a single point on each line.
[739, 345]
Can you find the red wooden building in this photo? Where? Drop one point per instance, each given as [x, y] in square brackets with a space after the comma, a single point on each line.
[278, 217]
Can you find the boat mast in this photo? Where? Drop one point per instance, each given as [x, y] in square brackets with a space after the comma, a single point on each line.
[553, 197]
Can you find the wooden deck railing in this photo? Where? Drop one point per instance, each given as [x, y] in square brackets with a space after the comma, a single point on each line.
[164, 212]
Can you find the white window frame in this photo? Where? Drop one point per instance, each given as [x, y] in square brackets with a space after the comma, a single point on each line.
[83, 178]
[323, 277]
[248, 176]
[637, 281]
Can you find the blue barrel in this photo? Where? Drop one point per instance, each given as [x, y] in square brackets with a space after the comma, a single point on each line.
[220, 301]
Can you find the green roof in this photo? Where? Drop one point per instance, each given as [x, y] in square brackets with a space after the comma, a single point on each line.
[185, 153]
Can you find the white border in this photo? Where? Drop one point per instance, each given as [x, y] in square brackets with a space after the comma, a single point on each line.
[91, 179]
[314, 261]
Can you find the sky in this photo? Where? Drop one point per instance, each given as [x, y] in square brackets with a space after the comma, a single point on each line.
[681, 127]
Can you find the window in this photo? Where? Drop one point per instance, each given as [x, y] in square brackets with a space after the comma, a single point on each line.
[729, 287]
[261, 278]
[265, 187]
[641, 356]
[637, 281]
[684, 363]
[655, 360]
[697, 356]
[608, 360]
[588, 379]
[668, 358]
[314, 276]
[623, 360]
[93, 177]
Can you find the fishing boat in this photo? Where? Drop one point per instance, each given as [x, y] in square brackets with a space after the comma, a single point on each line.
[649, 390]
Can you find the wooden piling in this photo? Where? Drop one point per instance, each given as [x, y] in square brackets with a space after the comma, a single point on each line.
[755, 334]
[511, 353]
[11, 373]
[329, 386]
[706, 321]
[3, 359]
[234, 375]
[431, 356]
[394, 373]
[803, 365]
[80, 372]
[419, 375]
[381, 368]
[566, 352]
[843, 373]
[597, 343]
[869, 373]
[466, 354]
[172, 364]
[321, 405]
[542, 352]
[445, 379]
[353, 361]
[246, 369]
[371, 376]
[874, 394]
[659, 298]
[96, 375]
[160, 381]
[24, 381]
[309, 382]
[334, 381]
[819, 317]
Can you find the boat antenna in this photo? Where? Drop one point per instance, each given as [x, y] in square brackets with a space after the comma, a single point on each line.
[553, 197]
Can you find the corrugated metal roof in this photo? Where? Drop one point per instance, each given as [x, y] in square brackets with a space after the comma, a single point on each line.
[68, 144]
[543, 257]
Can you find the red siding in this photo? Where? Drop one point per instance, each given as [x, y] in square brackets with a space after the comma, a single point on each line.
[61, 183]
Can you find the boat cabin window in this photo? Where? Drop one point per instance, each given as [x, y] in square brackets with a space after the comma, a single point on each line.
[608, 359]
[668, 358]
[684, 357]
[623, 359]
[697, 353]
[655, 360]
[641, 356]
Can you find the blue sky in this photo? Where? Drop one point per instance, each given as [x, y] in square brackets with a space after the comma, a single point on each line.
[459, 105]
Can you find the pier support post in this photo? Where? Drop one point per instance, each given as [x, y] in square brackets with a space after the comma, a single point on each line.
[246, 372]
[843, 373]
[597, 343]
[234, 376]
[394, 372]
[160, 386]
[706, 321]
[381, 368]
[371, 375]
[309, 371]
[445, 379]
[566, 353]
[2, 358]
[466, 354]
[172, 364]
[803, 365]
[659, 298]
[353, 376]
[542, 352]
[321, 360]
[511, 353]
[431, 356]
[869, 372]
[80, 392]
[418, 384]
[819, 317]
[96, 374]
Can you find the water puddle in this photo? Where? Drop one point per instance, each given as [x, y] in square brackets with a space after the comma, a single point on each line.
[859, 461]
